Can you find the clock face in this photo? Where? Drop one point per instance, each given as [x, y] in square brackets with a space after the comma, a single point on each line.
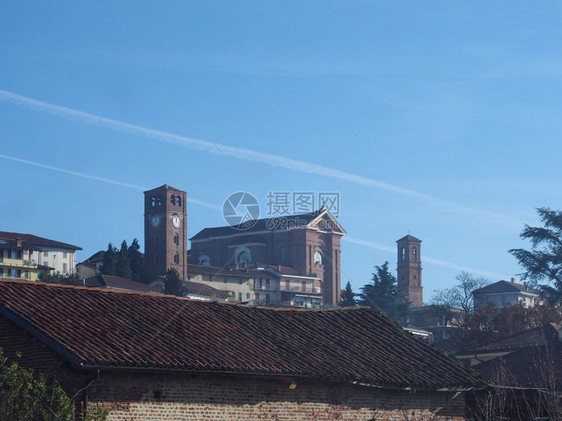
[176, 221]
[155, 221]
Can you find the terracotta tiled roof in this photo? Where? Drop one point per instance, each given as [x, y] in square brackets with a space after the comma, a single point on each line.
[228, 271]
[199, 288]
[110, 281]
[410, 238]
[538, 336]
[503, 287]
[96, 328]
[32, 242]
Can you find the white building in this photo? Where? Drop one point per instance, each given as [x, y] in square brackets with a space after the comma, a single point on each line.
[505, 293]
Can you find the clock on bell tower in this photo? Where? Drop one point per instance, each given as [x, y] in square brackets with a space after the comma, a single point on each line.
[165, 231]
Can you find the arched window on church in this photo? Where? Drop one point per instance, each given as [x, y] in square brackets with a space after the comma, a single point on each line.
[153, 201]
[176, 258]
[414, 254]
[178, 200]
[159, 200]
[173, 200]
[403, 253]
[176, 240]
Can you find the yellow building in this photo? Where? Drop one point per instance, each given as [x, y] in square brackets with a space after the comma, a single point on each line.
[22, 256]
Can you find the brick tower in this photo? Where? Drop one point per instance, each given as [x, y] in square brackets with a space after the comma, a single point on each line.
[409, 270]
[165, 231]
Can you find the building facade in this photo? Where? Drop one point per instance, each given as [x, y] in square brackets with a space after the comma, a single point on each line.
[25, 256]
[409, 270]
[504, 293]
[303, 249]
[165, 231]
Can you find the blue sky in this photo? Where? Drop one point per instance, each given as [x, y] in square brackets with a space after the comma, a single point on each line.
[460, 158]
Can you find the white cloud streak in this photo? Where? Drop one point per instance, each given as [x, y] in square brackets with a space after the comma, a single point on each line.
[358, 241]
[101, 179]
[426, 259]
[253, 156]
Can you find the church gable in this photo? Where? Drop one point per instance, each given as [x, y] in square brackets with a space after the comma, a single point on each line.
[326, 222]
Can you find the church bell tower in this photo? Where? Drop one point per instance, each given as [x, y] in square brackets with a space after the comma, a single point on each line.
[409, 270]
[165, 231]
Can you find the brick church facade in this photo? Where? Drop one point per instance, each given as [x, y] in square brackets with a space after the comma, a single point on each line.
[306, 246]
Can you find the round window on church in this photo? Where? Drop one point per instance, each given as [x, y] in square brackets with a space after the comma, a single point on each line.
[243, 257]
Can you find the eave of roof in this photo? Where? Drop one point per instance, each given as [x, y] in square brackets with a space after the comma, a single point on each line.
[356, 345]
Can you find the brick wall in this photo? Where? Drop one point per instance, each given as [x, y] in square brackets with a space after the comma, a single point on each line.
[166, 397]
[141, 397]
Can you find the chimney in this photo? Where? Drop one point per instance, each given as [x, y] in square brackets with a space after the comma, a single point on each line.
[512, 280]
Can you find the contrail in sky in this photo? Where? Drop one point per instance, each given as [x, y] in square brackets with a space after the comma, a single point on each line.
[252, 155]
[427, 259]
[366, 243]
[102, 179]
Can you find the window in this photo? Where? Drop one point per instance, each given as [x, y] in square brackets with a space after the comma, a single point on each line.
[318, 258]
[159, 200]
[26, 274]
[64, 255]
[242, 255]
[176, 239]
[239, 296]
[403, 253]
[282, 254]
[415, 254]
[173, 200]
[176, 258]
[153, 201]
[45, 254]
[1, 271]
[12, 273]
[247, 296]
[205, 260]
[64, 268]
[18, 273]
[15, 254]
[178, 200]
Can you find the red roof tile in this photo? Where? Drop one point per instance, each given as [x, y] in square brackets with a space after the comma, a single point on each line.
[538, 336]
[32, 242]
[97, 328]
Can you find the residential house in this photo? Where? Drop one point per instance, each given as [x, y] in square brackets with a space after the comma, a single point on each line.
[147, 356]
[25, 256]
[504, 293]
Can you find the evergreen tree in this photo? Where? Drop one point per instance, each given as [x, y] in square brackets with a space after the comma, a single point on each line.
[544, 261]
[123, 268]
[384, 294]
[347, 298]
[136, 261]
[173, 284]
[110, 258]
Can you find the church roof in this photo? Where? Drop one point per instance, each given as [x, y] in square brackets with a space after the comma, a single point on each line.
[115, 330]
[299, 221]
[410, 238]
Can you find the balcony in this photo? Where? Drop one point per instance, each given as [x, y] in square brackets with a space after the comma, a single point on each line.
[19, 263]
